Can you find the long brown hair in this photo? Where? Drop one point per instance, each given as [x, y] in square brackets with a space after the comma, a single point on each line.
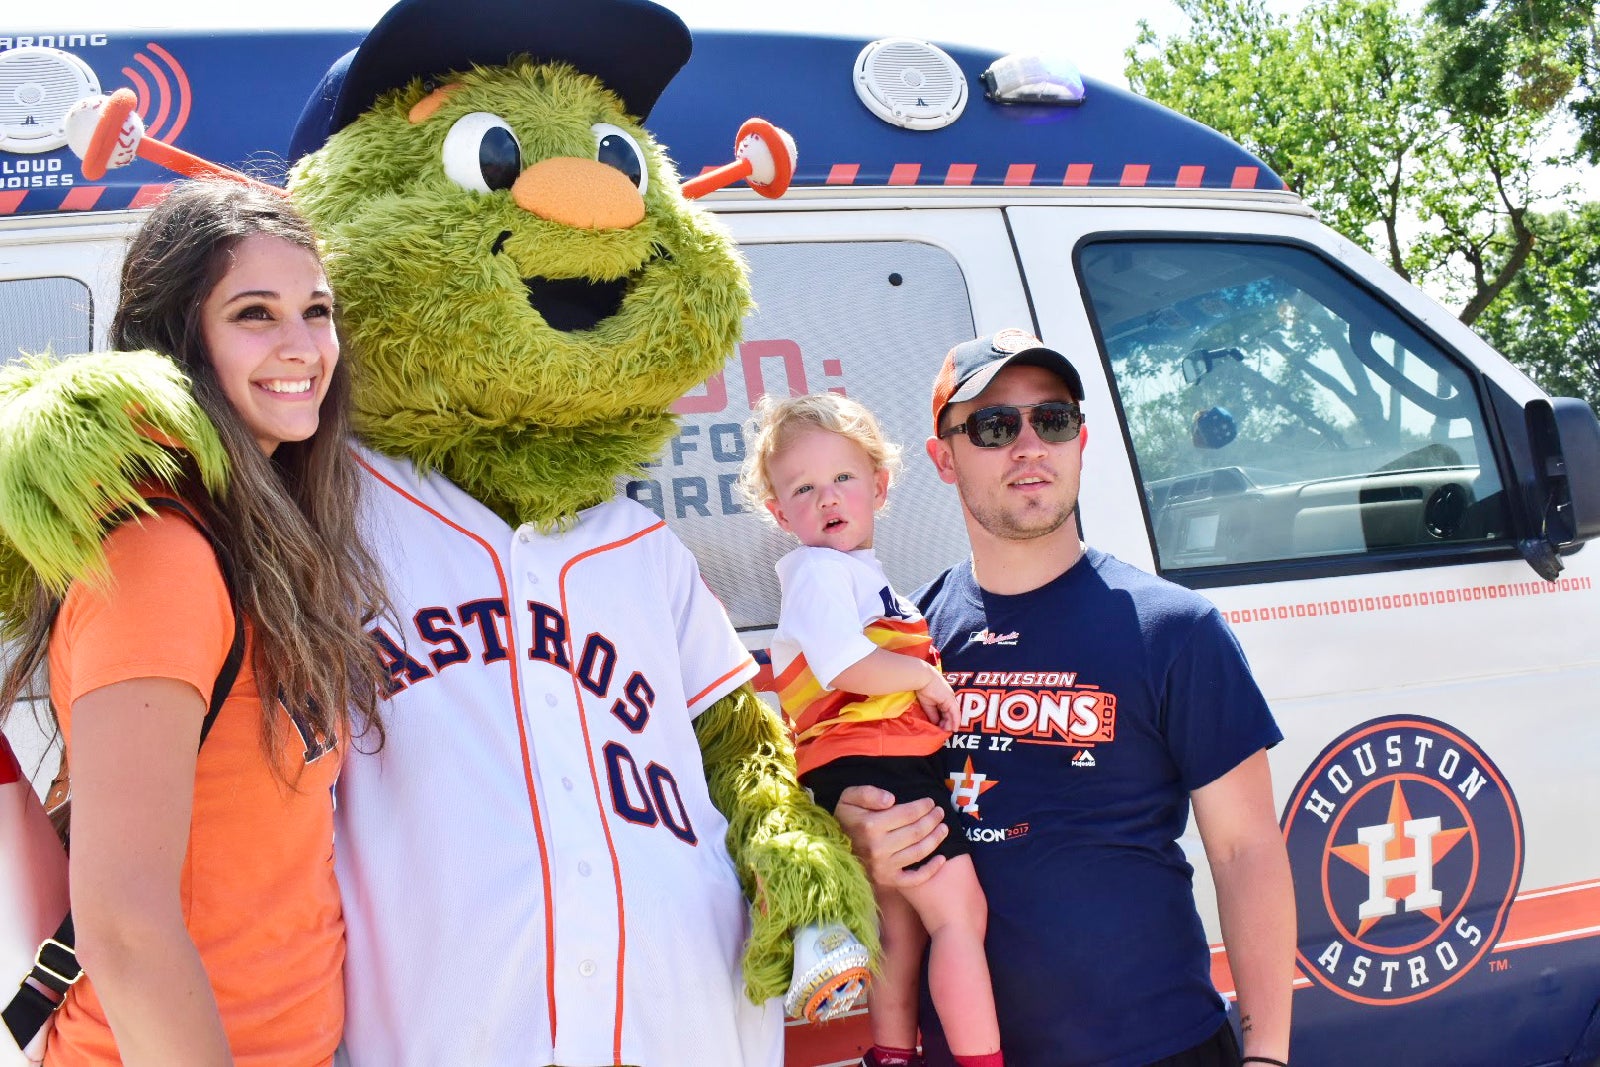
[304, 578]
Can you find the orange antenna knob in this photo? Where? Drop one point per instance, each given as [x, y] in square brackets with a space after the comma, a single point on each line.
[764, 156]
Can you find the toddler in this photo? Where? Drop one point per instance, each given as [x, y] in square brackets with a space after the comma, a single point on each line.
[860, 684]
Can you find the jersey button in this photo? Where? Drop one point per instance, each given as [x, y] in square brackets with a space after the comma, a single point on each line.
[524, 537]
[566, 783]
[533, 579]
[583, 868]
[586, 968]
[550, 698]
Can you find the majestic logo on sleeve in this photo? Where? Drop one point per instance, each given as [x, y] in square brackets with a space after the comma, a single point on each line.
[1406, 844]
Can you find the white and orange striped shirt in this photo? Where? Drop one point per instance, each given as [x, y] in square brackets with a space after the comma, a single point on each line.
[837, 608]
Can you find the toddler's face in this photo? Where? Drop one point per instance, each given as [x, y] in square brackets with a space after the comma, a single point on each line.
[826, 489]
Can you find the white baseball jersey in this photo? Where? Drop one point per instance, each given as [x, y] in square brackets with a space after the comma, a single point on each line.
[532, 869]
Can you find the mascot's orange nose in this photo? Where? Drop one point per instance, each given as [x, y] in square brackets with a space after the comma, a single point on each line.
[579, 192]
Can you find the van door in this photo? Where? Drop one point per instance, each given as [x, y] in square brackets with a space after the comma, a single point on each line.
[1283, 424]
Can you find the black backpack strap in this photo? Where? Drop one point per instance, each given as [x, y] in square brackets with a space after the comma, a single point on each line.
[55, 965]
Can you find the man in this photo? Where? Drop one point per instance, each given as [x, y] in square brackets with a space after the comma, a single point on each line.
[1097, 703]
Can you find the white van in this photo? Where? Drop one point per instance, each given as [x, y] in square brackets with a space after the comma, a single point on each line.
[1389, 514]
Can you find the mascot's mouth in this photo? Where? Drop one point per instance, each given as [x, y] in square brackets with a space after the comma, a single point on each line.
[570, 304]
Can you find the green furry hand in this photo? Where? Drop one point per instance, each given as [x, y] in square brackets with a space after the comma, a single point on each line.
[793, 860]
[76, 437]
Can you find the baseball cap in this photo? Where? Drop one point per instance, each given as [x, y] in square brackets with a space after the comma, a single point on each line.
[971, 366]
[633, 46]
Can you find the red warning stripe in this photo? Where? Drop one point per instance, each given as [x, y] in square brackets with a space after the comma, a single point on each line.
[905, 173]
[1133, 175]
[82, 197]
[149, 195]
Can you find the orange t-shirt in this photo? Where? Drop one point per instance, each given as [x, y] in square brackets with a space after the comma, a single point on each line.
[258, 888]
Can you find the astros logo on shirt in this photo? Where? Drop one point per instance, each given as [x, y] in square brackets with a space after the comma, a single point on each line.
[1406, 845]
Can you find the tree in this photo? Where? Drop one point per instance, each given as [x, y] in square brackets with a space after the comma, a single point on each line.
[1502, 54]
[1548, 320]
[1340, 100]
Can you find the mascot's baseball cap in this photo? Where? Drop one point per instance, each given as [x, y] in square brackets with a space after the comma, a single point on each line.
[971, 366]
[633, 46]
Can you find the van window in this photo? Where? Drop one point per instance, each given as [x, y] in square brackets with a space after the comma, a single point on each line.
[871, 319]
[1278, 412]
[39, 315]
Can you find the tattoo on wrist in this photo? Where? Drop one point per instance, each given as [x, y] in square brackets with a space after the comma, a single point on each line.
[1244, 1025]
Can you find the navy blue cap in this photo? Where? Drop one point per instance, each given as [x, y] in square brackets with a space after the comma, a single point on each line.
[971, 366]
[633, 46]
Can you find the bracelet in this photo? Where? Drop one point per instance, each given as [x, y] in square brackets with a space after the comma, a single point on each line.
[1263, 1059]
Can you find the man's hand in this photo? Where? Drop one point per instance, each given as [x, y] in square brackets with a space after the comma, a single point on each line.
[938, 701]
[888, 837]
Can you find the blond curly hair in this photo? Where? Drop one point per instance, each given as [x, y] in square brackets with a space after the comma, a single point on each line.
[776, 417]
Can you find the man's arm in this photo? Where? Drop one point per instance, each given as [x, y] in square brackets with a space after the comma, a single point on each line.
[1255, 899]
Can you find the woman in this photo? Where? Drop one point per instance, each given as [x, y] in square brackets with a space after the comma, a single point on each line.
[208, 919]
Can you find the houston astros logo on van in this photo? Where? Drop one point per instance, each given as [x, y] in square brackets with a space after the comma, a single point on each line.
[1406, 844]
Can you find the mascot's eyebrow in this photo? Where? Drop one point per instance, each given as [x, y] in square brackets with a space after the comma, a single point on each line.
[423, 109]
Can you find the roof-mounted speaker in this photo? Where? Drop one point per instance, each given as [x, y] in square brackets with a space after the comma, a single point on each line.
[910, 83]
[37, 86]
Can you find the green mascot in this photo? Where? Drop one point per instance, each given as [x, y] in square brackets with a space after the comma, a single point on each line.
[583, 841]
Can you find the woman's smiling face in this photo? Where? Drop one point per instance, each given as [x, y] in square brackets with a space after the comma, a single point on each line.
[268, 328]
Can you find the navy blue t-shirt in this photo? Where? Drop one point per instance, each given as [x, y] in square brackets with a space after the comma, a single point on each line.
[1090, 708]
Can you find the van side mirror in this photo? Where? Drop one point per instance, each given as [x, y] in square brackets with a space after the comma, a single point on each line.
[1564, 490]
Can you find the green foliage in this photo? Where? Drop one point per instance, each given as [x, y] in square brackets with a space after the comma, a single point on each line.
[1498, 56]
[1548, 320]
[1341, 101]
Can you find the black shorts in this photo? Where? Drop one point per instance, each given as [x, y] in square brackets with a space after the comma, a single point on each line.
[1218, 1050]
[907, 777]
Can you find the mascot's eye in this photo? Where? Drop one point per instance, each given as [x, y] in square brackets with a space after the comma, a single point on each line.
[615, 147]
[481, 153]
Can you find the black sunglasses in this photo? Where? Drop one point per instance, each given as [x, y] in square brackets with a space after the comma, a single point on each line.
[1056, 421]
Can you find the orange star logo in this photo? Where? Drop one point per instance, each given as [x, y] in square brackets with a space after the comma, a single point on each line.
[967, 787]
[1399, 847]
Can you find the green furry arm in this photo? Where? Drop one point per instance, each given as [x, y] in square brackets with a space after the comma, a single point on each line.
[76, 436]
[792, 858]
